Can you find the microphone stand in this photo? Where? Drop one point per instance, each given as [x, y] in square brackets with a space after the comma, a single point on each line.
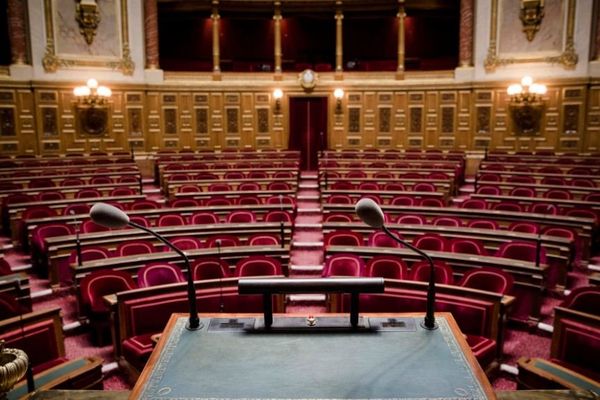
[221, 305]
[194, 321]
[429, 321]
[77, 241]
[538, 249]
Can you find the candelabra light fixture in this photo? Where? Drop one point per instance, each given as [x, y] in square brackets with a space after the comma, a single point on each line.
[277, 95]
[339, 95]
[526, 105]
[92, 94]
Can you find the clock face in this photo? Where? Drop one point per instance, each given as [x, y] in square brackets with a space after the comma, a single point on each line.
[308, 79]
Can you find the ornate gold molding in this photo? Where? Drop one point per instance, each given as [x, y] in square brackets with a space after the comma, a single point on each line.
[52, 61]
[87, 16]
[532, 14]
[568, 58]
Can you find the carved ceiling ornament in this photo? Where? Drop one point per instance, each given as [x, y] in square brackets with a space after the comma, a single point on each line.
[87, 16]
[532, 14]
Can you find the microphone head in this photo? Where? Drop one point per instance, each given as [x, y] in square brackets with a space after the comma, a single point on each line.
[370, 213]
[108, 216]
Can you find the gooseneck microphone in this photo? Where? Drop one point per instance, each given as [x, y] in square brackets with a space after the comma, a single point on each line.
[111, 217]
[370, 213]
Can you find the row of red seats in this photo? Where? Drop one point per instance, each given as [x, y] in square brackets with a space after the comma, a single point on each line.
[536, 208]
[530, 192]
[405, 200]
[517, 250]
[225, 187]
[181, 177]
[391, 267]
[382, 165]
[228, 165]
[391, 186]
[51, 195]
[59, 162]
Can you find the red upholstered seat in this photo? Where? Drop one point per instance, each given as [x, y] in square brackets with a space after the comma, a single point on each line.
[424, 187]
[223, 241]
[343, 264]
[478, 204]
[218, 201]
[368, 186]
[447, 221]
[279, 186]
[484, 349]
[159, 273]
[263, 239]
[248, 199]
[189, 189]
[558, 194]
[410, 220]
[488, 278]
[181, 203]
[249, 186]
[467, 246]
[219, 187]
[41, 233]
[144, 205]
[523, 192]
[204, 217]
[281, 200]
[137, 350]
[41, 183]
[483, 224]
[525, 227]
[443, 272]
[490, 190]
[543, 208]
[343, 238]
[122, 192]
[50, 196]
[101, 283]
[185, 243]
[171, 220]
[432, 202]
[402, 200]
[101, 180]
[234, 175]
[278, 216]
[381, 239]
[258, 266]
[524, 251]
[585, 299]
[210, 268]
[134, 248]
[390, 267]
[140, 220]
[431, 241]
[88, 193]
[90, 226]
[241, 217]
[343, 185]
[487, 177]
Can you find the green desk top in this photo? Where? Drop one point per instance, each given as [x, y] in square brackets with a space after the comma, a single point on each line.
[229, 360]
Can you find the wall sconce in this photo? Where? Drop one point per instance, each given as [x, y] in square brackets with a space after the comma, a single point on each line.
[532, 13]
[339, 95]
[526, 105]
[91, 110]
[92, 94]
[277, 95]
[88, 18]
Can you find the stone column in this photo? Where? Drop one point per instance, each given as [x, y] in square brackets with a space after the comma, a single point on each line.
[277, 29]
[339, 42]
[16, 31]
[466, 33]
[401, 17]
[215, 36]
[151, 32]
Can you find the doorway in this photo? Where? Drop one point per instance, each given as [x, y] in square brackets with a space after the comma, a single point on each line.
[308, 129]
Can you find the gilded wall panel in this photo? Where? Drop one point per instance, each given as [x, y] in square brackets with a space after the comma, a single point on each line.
[8, 126]
[49, 121]
[354, 119]
[416, 120]
[385, 115]
[232, 118]
[201, 120]
[262, 120]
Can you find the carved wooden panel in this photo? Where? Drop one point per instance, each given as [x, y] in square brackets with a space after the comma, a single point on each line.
[201, 120]
[135, 124]
[49, 121]
[416, 119]
[353, 119]
[483, 119]
[571, 119]
[385, 116]
[262, 118]
[201, 98]
[7, 121]
[170, 118]
[232, 120]
[7, 97]
[447, 119]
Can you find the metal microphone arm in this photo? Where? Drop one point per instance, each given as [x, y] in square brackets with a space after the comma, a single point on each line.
[429, 321]
[194, 321]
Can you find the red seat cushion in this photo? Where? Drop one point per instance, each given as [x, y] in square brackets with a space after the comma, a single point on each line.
[484, 349]
[137, 350]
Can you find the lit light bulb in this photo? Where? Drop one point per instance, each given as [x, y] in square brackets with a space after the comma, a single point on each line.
[277, 94]
[338, 93]
[92, 83]
[526, 81]
[514, 89]
[104, 91]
